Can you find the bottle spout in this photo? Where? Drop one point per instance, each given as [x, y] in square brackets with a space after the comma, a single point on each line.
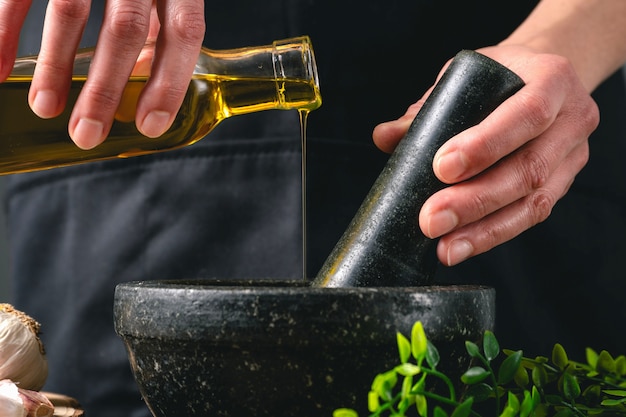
[383, 245]
[293, 59]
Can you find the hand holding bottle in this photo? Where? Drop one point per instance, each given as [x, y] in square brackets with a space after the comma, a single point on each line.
[176, 25]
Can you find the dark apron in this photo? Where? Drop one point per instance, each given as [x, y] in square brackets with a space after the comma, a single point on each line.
[230, 205]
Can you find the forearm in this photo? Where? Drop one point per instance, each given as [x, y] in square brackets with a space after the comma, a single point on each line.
[590, 33]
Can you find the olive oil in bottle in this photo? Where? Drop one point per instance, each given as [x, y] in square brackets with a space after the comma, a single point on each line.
[225, 83]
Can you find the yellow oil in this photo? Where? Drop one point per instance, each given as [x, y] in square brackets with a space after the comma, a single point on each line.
[28, 143]
[304, 114]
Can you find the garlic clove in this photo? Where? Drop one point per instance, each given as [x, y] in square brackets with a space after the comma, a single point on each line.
[18, 402]
[64, 406]
[22, 355]
[36, 403]
[11, 404]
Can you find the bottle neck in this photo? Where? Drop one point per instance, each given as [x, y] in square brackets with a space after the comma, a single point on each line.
[289, 64]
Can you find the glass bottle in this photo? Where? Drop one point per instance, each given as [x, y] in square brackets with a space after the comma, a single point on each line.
[225, 83]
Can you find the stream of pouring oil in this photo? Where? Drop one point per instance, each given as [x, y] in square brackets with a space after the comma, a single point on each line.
[383, 245]
[304, 115]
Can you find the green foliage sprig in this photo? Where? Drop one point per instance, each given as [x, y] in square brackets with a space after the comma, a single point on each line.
[515, 386]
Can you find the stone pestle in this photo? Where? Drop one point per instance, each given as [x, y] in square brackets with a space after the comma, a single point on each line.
[383, 245]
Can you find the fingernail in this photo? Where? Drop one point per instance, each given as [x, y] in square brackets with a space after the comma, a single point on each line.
[458, 251]
[88, 133]
[155, 123]
[45, 104]
[451, 165]
[442, 222]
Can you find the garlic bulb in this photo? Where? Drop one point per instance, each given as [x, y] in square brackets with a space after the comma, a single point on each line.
[18, 402]
[22, 355]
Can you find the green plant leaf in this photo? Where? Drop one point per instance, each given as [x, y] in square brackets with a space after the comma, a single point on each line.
[605, 363]
[480, 391]
[421, 405]
[439, 412]
[420, 385]
[620, 365]
[419, 342]
[559, 356]
[539, 376]
[527, 405]
[463, 409]
[474, 375]
[384, 383]
[407, 383]
[432, 356]
[408, 369]
[571, 388]
[613, 402]
[345, 412]
[521, 377]
[472, 349]
[513, 402]
[553, 399]
[508, 412]
[490, 346]
[509, 367]
[404, 347]
[592, 357]
[536, 396]
[615, 392]
[404, 405]
[592, 394]
[373, 401]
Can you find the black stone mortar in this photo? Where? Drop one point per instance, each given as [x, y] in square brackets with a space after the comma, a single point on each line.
[288, 349]
[237, 349]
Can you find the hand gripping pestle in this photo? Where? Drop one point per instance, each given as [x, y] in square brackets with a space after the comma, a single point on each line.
[383, 245]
